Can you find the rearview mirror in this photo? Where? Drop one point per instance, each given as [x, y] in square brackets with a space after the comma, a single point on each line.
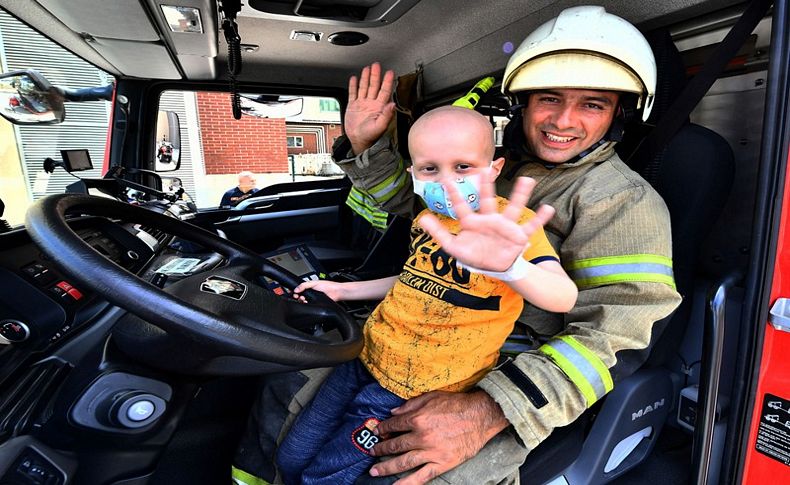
[27, 98]
[168, 142]
[266, 106]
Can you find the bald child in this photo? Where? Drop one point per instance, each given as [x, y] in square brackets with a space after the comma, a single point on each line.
[441, 321]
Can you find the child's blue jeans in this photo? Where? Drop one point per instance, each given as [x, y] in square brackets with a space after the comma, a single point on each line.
[331, 439]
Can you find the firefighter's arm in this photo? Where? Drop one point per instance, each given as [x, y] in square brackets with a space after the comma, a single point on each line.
[620, 261]
[379, 176]
[367, 152]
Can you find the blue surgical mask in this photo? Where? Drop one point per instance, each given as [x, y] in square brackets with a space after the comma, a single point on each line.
[438, 200]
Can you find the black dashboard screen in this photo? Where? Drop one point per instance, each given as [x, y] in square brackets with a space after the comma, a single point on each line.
[76, 160]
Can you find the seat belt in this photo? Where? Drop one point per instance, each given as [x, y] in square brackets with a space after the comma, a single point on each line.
[678, 112]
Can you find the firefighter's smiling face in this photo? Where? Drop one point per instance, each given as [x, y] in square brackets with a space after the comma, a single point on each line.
[561, 123]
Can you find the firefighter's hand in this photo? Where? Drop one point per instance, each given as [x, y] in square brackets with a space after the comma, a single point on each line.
[332, 289]
[370, 108]
[440, 430]
[489, 240]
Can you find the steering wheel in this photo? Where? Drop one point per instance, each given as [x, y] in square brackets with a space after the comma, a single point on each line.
[218, 322]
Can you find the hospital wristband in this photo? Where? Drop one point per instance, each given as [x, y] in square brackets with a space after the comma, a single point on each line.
[517, 271]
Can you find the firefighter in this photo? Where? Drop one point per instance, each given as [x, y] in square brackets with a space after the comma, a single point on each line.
[574, 83]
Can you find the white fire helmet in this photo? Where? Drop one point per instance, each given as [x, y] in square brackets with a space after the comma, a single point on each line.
[585, 48]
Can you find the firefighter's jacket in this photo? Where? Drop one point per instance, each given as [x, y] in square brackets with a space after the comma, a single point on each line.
[612, 233]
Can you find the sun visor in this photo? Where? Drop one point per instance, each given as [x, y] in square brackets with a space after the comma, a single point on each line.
[138, 59]
[110, 19]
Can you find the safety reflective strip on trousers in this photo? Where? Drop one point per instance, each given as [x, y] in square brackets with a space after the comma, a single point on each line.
[581, 365]
[365, 206]
[240, 477]
[390, 186]
[587, 273]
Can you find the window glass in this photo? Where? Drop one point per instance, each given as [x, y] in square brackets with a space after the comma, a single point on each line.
[279, 139]
[24, 148]
[295, 142]
[329, 105]
[500, 122]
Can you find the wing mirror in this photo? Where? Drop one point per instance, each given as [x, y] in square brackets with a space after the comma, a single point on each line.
[168, 142]
[27, 98]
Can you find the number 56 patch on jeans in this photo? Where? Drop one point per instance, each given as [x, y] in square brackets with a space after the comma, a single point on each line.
[363, 437]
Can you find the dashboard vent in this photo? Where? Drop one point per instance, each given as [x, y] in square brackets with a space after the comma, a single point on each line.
[27, 400]
[161, 236]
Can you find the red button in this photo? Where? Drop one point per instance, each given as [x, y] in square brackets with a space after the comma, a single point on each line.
[75, 293]
[64, 286]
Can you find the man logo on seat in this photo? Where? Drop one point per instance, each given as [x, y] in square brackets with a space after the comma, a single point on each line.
[647, 409]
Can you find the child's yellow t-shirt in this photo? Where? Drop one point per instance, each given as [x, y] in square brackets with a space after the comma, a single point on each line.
[441, 327]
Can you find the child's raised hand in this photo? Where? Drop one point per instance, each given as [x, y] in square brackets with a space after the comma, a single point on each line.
[489, 240]
[332, 289]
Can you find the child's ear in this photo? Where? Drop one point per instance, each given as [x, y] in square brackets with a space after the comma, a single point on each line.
[496, 166]
[408, 169]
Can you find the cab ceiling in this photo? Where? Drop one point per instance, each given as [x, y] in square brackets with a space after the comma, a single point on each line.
[455, 40]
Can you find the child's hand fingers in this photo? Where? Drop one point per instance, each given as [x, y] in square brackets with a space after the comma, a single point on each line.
[306, 285]
[542, 216]
[460, 207]
[519, 197]
[432, 226]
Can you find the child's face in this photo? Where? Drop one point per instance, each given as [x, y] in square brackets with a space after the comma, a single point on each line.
[449, 149]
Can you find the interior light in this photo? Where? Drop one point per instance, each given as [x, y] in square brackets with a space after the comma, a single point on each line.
[182, 19]
[306, 35]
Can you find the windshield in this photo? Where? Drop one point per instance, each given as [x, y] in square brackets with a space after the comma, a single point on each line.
[24, 149]
[200, 147]
[224, 161]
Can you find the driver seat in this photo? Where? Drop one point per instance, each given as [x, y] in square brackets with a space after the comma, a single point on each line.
[694, 175]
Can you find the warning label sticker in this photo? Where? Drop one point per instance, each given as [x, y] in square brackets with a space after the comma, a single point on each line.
[773, 435]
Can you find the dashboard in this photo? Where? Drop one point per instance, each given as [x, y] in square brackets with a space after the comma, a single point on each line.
[40, 305]
[65, 380]
[49, 323]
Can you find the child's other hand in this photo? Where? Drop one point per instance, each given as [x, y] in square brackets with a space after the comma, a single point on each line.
[489, 240]
[331, 289]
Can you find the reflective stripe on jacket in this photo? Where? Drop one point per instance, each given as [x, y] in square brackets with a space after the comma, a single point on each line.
[366, 206]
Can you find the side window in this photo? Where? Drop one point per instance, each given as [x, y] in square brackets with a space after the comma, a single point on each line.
[279, 139]
[23, 148]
